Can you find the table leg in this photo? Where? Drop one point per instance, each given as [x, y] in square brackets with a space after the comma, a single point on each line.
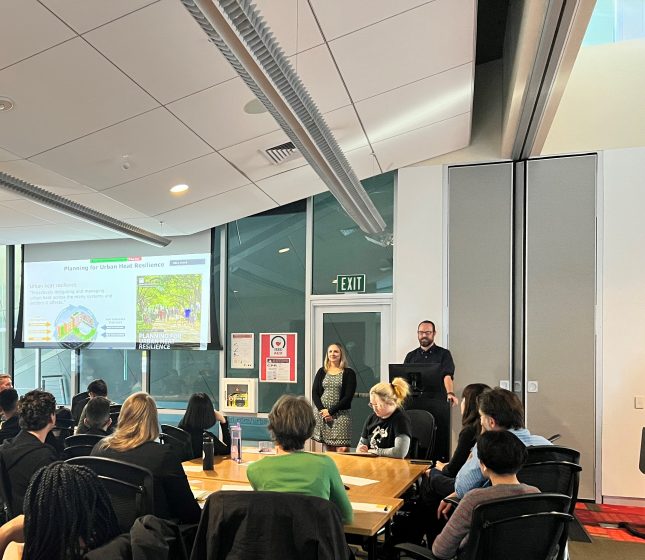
[371, 548]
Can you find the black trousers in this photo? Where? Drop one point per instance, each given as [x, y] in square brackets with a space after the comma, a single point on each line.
[423, 517]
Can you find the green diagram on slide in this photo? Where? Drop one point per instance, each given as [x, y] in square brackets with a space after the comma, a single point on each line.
[169, 308]
[75, 323]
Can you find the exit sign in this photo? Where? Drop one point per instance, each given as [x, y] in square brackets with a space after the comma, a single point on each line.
[350, 283]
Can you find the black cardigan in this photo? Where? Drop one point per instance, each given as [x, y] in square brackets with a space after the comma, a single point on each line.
[347, 390]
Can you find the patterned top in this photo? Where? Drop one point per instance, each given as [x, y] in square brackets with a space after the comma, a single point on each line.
[338, 432]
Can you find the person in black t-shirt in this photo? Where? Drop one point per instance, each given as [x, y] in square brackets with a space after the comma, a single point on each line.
[388, 430]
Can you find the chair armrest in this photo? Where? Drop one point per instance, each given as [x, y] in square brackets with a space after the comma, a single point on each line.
[452, 501]
[415, 551]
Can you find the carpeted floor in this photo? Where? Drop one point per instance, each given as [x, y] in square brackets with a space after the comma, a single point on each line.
[599, 520]
[606, 549]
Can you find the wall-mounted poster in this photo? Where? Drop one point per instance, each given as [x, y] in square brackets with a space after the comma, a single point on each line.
[242, 352]
[238, 394]
[278, 357]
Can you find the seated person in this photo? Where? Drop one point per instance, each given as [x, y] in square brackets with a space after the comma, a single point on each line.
[9, 405]
[5, 382]
[200, 416]
[27, 452]
[501, 455]
[133, 441]
[96, 418]
[96, 388]
[388, 430]
[67, 513]
[291, 423]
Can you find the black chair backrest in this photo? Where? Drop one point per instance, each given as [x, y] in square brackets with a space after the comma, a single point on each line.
[83, 439]
[114, 416]
[78, 404]
[182, 449]
[130, 487]
[424, 430]
[529, 527]
[560, 477]
[270, 525]
[540, 453]
[77, 451]
[181, 435]
[5, 493]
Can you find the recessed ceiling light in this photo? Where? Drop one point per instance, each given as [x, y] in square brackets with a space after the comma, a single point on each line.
[255, 107]
[179, 189]
[6, 104]
[284, 250]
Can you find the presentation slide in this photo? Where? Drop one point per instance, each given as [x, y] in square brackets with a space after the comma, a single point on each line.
[148, 303]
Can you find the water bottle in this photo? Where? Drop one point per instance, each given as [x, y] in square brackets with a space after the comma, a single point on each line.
[236, 443]
[209, 451]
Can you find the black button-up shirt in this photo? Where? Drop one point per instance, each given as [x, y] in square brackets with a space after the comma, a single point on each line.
[434, 355]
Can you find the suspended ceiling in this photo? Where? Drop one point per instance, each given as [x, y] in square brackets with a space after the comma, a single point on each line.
[116, 102]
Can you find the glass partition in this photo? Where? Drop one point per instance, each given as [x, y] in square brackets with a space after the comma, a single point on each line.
[120, 369]
[266, 288]
[341, 248]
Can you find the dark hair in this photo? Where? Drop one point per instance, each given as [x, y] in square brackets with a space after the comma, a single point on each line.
[97, 412]
[501, 451]
[35, 409]
[504, 407]
[428, 322]
[8, 400]
[66, 503]
[470, 394]
[98, 388]
[291, 422]
[199, 414]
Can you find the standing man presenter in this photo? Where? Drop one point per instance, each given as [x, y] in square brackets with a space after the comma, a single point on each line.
[436, 402]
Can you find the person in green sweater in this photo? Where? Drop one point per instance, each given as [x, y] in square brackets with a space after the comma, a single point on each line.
[291, 423]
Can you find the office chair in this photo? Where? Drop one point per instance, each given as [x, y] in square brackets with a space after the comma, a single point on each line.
[130, 487]
[271, 526]
[181, 435]
[82, 439]
[5, 493]
[77, 451]
[424, 432]
[527, 527]
[183, 449]
[539, 453]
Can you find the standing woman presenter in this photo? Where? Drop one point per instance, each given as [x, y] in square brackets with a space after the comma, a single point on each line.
[332, 394]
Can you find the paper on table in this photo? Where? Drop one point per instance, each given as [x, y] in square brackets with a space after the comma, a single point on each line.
[201, 495]
[242, 487]
[371, 508]
[193, 468]
[356, 480]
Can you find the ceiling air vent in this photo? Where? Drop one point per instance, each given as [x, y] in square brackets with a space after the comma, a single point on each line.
[282, 153]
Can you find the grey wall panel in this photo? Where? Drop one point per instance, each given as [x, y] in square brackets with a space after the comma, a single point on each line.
[560, 299]
[479, 273]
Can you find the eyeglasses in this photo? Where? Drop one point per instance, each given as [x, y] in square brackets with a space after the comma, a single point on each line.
[378, 405]
[425, 332]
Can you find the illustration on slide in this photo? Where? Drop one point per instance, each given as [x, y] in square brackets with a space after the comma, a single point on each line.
[75, 324]
[169, 308]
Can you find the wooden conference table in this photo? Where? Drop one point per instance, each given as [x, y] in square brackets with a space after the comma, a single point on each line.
[393, 477]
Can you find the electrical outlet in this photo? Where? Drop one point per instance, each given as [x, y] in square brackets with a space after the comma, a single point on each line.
[517, 386]
[505, 384]
[639, 401]
[532, 387]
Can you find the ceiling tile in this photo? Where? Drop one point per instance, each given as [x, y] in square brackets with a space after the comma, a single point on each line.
[217, 114]
[320, 76]
[247, 156]
[19, 40]
[292, 24]
[46, 234]
[41, 177]
[293, 185]
[56, 103]
[156, 226]
[39, 211]
[219, 209]
[10, 217]
[152, 141]
[163, 49]
[432, 99]
[428, 40]
[84, 15]
[107, 205]
[346, 128]
[424, 143]
[206, 176]
[363, 162]
[339, 17]
[6, 155]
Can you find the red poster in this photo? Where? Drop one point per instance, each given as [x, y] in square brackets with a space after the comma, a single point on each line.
[278, 357]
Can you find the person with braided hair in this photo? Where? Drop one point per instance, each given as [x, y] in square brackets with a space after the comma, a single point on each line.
[67, 513]
[388, 430]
